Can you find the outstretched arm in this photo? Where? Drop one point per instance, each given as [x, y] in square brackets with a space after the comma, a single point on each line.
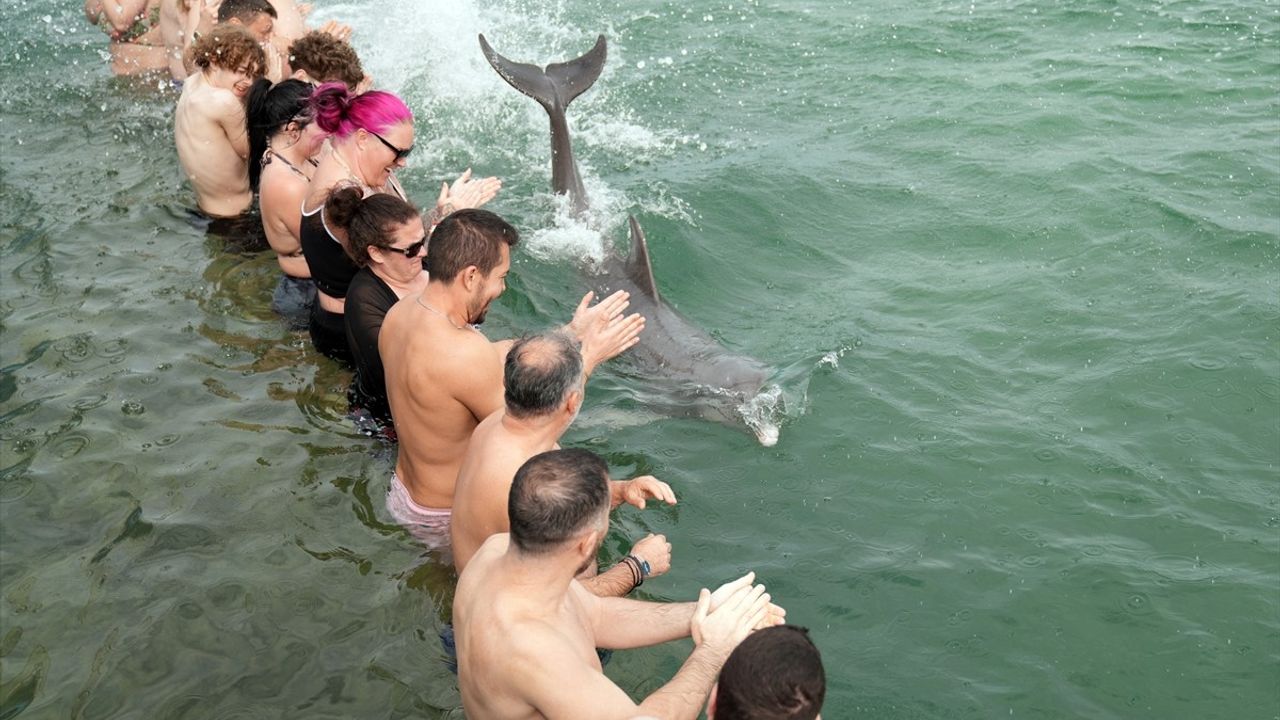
[622, 578]
[120, 14]
[637, 489]
[717, 630]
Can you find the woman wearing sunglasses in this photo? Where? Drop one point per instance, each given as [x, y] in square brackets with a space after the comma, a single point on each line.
[387, 240]
[371, 135]
[283, 145]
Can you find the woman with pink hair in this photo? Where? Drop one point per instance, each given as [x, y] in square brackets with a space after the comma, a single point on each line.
[371, 135]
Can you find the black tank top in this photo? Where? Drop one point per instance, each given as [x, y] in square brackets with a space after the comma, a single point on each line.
[330, 267]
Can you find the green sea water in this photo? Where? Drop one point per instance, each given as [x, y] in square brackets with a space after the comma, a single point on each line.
[1017, 265]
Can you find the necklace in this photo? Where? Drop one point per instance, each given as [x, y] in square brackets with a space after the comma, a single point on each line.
[337, 155]
[271, 154]
[418, 299]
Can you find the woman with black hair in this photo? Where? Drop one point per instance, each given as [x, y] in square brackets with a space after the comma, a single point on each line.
[283, 146]
[387, 240]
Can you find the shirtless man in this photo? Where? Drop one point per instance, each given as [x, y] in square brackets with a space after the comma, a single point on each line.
[443, 377]
[209, 125]
[259, 18]
[544, 386]
[527, 631]
[276, 24]
[137, 45]
[178, 22]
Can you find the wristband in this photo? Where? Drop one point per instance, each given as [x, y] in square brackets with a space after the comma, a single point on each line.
[633, 569]
[642, 566]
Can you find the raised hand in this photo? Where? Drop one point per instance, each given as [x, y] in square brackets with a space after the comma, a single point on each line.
[608, 338]
[774, 615]
[723, 627]
[466, 192]
[211, 10]
[655, 550]
[586, 314]
[637, 490]
[340, 31]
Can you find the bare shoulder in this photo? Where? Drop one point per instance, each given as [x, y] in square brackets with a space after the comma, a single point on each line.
[285, 190]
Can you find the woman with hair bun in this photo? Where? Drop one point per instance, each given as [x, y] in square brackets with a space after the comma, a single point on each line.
[371, 136]
[284, 141]
[387, 240]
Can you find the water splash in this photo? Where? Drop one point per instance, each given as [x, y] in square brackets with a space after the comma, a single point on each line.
[763, 414]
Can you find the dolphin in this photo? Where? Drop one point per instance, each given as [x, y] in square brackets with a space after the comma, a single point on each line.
[696, 373]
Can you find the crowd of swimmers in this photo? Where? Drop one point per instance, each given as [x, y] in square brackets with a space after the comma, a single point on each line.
[282, 137]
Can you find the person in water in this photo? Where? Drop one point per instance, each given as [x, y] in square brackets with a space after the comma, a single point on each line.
[544, 379]
[209, 122]
[527, 631]
[444, 377]
[775, 674]
[137, 44]
[185, 20]
[259, 18]
[319, 57]
[284, 141]
[387, 241]
[371, 136]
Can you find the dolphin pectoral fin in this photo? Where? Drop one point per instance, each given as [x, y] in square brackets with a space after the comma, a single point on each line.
[559, 83]
[638, 266]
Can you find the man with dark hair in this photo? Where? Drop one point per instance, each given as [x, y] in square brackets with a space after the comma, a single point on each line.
[443, 376]
[527, 631]
[544, 379]
[256, 16]
[775, 674]
[259, 18]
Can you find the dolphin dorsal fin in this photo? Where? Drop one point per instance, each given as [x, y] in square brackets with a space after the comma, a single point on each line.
[558, 84]
[638, 267]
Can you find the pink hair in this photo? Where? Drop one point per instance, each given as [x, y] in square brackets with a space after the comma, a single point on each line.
[340, 113]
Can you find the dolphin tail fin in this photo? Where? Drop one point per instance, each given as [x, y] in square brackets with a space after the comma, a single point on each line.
[557, 85]
[638, 267]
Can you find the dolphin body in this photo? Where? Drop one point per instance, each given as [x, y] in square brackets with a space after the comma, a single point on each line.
[698, 374]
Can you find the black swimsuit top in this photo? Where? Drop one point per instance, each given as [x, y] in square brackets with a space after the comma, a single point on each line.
[331, 269]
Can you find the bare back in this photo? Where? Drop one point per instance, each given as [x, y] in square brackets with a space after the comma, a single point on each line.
[281, 192]
[174, 32]
[484, 481]
[441, 382]
[505, 643]
[209, 130]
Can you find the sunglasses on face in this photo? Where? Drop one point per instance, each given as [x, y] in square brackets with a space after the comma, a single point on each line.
[400, 154]
[411, 251]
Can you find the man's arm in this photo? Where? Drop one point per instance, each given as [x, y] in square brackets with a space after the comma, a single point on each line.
[617, 581]
[121, 14]
[619, 623]
[560, 685]
[231, 119]
[623, 624]
[621, 579]
[477, 375]
[636, 490]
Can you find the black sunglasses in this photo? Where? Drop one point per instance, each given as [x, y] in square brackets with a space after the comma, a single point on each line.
[411, 251]
[400, 154]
